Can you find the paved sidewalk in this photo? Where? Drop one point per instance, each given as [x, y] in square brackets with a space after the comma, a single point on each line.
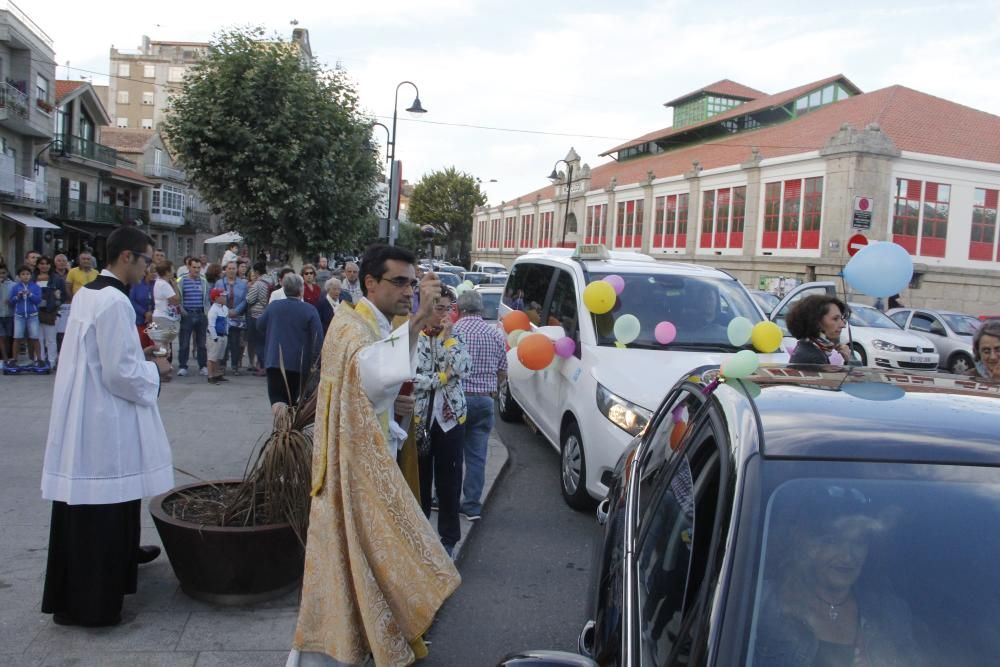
[163, 627]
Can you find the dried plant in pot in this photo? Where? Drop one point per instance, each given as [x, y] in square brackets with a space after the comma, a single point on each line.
[242, 541]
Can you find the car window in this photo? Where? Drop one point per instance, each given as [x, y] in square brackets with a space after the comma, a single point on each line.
[963, 325]
[782, 314]
[926, 323]
[563, 309]
[491, 305]
[527, 288]
[863, 316]
[700, 308]
[901, 565]
[900, 317]
[667, 435]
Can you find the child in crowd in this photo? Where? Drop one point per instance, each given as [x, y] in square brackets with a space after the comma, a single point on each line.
[218, 335]
[6, 315]
[24, 297]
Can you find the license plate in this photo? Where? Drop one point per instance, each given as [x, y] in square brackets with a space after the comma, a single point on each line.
[920, 360]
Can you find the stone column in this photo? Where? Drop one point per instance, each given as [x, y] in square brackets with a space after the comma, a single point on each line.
[753, 214]
[647, 212]
[694, 207]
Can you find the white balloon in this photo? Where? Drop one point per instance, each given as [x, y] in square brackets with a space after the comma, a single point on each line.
[554, 333]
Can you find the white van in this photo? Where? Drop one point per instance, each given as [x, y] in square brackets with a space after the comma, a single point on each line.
[488, 267]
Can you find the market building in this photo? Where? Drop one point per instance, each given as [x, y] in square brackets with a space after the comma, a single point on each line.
[771, 186]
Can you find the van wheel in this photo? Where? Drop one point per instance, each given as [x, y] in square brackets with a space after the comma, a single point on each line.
[960, 364]
[573, 469]
[510, 411]
[860, 351]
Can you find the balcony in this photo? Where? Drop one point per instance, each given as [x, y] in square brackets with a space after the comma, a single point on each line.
[13, 103]
[94, 213]
[169, 173]
[200, 220]
[17, 188]
[74, 146]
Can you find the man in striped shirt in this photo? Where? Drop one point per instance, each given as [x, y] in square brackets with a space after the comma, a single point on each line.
[194, 299]
[486, 347]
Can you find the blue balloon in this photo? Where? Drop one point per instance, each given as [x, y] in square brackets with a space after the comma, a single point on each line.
[880, 270]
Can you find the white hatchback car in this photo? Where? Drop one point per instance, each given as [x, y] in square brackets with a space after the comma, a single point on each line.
[602, 397]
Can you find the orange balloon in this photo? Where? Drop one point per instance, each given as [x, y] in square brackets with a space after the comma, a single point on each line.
[535, 351]
[680, 428]
[515, 320]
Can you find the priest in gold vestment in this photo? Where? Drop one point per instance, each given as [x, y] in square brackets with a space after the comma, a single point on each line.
[376, 572]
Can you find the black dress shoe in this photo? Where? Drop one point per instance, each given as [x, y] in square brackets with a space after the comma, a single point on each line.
[66, 619]
[148, 554]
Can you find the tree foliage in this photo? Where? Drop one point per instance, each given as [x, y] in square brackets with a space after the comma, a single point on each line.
[446, 200]
[279, 146]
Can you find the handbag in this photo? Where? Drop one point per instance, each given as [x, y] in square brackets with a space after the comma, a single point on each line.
[424, 428]
[47, 317]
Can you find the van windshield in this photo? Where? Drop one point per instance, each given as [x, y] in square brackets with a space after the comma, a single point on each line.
[700, 309]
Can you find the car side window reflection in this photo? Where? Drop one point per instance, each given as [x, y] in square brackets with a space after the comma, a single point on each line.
[526, 290]
[563, 309]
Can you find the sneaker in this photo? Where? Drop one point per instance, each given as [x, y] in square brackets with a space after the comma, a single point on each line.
[470, 517]
[213, 380]
[182, 372]
[41, 364]
[236, 371]
[203, 371]
[221, 378]
[434, 504]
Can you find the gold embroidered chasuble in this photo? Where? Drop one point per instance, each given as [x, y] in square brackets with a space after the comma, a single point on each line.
[375, 572]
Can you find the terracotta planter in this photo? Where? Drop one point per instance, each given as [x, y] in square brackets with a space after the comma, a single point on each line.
[229, 566]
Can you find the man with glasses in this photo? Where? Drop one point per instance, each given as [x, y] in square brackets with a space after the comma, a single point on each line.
[97, 469]
[352, 283]
[366, 529]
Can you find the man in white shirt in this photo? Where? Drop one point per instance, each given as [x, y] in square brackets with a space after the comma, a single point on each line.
[279, 293]
[231, 254]
[106, 448]
[352, 283]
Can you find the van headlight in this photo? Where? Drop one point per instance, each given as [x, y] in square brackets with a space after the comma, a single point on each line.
[627, 416]
[884, 345]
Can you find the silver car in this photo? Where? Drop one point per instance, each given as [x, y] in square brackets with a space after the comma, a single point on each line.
[950, 332]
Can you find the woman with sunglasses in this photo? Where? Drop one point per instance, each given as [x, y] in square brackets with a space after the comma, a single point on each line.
[311, 292]
[817, 322]
[986, 351]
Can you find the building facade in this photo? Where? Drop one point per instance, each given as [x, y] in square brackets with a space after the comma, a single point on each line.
[27, 82]
[142, 80]
[771, 186]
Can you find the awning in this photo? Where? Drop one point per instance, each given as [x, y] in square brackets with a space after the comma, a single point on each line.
[29, 220]
[130, 176]
[228, 237]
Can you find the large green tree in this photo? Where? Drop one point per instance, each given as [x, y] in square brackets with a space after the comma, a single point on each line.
[446, 200]
[277, 144]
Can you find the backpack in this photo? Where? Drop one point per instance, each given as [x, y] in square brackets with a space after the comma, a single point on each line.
[221, 328]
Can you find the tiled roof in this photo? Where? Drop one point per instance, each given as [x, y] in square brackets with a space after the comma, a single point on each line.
[763, 103]
[914, 121]
[126, 140]
[726, 87]
[64, 88]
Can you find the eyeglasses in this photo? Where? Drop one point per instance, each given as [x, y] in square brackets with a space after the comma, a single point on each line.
[402, 281]
[309, 273]
[149, 260]
[989, 351]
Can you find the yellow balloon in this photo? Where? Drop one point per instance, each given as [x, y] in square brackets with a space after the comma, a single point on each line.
[766, 337]
[599, 297]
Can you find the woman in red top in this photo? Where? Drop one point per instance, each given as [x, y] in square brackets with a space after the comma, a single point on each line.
[311, 292]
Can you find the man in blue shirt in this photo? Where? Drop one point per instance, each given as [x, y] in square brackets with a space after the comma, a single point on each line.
[236, 302]
[194, 302]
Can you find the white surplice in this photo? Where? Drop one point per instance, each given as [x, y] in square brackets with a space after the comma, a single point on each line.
[106, 441]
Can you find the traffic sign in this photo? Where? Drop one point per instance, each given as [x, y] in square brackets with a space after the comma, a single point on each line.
[856, 243]
[862, 212]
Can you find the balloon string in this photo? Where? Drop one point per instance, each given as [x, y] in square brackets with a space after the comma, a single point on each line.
[850, 336]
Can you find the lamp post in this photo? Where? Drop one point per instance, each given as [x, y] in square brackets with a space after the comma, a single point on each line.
[554, 176]
[415, 107]
[388, 142]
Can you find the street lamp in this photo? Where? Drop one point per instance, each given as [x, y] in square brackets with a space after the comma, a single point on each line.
[415, 107]
[554, 176]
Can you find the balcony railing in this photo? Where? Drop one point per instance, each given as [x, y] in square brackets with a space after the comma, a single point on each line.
[85, 148]
[161, 171]
[13, 101]
[200, 220]
[29, 190]
[93, 212]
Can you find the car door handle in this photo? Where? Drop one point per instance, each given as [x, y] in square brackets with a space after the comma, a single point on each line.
[602, 511]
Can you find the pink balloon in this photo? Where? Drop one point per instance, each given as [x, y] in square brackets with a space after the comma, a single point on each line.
[665, 333]
[617, 282]
[565, 347]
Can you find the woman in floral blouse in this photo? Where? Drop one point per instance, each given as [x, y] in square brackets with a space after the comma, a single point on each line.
[440, 401]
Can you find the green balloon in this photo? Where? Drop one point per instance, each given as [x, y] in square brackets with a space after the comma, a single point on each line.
[627, 328]
[740, 365]
[739, 331]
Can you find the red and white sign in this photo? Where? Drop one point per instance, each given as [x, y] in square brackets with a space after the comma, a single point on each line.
[862, 218]
[856, 243]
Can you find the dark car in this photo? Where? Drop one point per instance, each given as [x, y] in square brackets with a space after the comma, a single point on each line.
[804, 516]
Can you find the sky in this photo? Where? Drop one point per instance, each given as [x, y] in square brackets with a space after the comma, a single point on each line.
[580, 74]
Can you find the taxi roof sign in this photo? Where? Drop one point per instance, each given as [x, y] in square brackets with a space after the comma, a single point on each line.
[592, 251]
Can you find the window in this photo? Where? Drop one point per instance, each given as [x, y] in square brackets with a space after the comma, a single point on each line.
[124, 70]
[42, 88]
[820, 98]
[707, 211]
[529, 283]
[670, 224]
[925, 323]
[509, 231]
[495, 233]
[563, 309]
[147, 124]
[739, 217]
[545, 231]
[899, 317]
[527, 231]
[628, 226]
[175, 74]
[168, 200]
[596, 230]
[149, 71]
[482, 234]
[793, 214]
[921, 224]
[148, 98]
[723, 214]
[122, 97]
[984, 225]
[121, 122]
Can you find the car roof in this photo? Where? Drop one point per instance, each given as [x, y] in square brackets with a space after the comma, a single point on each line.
[868, 414]
[624, 262]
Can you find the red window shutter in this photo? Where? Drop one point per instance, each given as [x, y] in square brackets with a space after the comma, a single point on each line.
[991, 198]
[793, 189]
[932, 192]
[913, 189]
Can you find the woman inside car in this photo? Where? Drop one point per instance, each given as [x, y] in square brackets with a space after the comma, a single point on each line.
[818, 609]
[816, 322]
[986, 351]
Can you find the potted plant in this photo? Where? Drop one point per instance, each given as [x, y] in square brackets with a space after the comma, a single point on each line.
[243, 541]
